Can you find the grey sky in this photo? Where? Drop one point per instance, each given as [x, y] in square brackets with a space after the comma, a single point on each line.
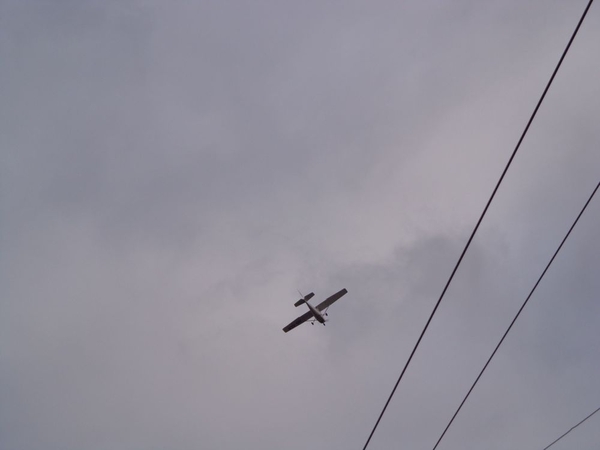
[172, 172]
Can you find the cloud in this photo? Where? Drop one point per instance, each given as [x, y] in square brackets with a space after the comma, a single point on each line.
[171, 175]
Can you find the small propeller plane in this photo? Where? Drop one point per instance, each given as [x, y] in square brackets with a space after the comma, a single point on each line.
[315, 313]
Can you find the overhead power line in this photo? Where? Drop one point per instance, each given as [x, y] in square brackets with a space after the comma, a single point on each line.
[516, 316]
[478, 223]
[571, 429]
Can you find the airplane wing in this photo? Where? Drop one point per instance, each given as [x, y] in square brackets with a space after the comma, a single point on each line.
[329, 301]
[298, 321]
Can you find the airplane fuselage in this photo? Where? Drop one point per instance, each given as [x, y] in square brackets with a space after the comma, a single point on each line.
[318, 316]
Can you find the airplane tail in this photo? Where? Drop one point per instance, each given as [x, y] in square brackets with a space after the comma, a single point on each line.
[303, 300]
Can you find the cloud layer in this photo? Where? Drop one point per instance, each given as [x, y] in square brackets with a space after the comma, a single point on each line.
[171, 174]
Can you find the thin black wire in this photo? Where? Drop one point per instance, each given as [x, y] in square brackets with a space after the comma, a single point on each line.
[517, 316]
[478, 223]
[572, 428]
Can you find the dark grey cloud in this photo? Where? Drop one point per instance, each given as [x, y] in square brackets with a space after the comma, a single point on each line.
[171, 174]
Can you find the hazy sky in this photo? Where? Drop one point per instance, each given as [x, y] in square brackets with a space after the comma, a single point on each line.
[172, 172]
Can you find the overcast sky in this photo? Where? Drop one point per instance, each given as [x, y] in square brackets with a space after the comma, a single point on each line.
[172, 172]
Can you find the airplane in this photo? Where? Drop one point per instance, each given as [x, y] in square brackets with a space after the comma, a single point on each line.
[315, 313]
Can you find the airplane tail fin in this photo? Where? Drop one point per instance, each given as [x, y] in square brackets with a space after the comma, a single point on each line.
[303, 300]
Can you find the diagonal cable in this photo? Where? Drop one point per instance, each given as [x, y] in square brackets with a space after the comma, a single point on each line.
[478, 223]
[571, 429]
[516, 316]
